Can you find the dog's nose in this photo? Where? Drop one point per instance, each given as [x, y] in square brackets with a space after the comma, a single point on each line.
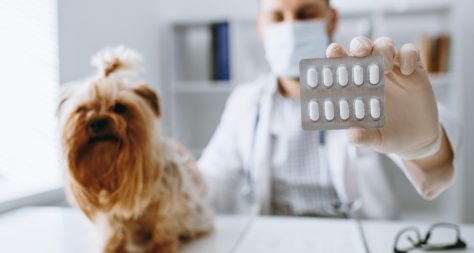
[98, 125]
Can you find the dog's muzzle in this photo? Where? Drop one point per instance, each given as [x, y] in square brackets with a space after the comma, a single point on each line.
[101, 129]
[98, 126]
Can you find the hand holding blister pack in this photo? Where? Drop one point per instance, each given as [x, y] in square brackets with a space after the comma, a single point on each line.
[340, 93]
[408, 125]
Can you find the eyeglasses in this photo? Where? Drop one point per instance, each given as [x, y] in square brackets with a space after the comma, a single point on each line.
[440, 236]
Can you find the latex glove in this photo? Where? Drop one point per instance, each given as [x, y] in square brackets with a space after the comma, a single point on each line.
[412, 129]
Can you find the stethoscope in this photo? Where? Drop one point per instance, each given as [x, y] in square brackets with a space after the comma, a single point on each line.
[248, 189]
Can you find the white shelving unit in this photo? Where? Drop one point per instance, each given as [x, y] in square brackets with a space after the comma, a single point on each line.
[197, 100]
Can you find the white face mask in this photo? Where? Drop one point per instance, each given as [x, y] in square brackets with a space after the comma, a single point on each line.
[287, 43]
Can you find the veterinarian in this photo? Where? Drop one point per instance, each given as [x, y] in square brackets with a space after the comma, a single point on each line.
[259, 145]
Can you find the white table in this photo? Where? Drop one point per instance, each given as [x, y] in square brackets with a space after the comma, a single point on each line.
[64, 230]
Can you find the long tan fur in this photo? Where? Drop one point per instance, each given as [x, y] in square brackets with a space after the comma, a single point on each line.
[143, 189]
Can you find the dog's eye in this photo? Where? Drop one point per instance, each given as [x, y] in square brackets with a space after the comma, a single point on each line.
[119, 108]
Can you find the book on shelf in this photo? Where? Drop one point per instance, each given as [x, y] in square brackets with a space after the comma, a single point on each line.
[220, 51]
[434, 52]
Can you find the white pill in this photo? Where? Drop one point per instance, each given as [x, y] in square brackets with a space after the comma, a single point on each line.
[359, 108]
[344, 109]
[342, 75]
[358, 74]
[374, 77]
[313, 108]
[312, 78]
[327, 77]
[329, 110]
[375, 108]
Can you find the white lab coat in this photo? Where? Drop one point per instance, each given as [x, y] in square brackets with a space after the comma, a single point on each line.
[357, 173]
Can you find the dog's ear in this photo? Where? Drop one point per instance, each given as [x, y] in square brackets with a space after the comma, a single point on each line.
[65, 92]
[150, 96]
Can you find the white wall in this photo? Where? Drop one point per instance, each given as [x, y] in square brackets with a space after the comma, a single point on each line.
[465, 65]
[209, 8]
[86, 26]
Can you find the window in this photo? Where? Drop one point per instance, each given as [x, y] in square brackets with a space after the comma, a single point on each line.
[29, 154]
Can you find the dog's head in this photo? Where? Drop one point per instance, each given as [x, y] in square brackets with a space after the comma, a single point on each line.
[109, 125]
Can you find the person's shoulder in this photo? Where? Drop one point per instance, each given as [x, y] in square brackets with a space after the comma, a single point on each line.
[248, 94]
[244, 99]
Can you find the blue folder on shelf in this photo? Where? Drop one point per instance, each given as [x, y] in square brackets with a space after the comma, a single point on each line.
[220, 51]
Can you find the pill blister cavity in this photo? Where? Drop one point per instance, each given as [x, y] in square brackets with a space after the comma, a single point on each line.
[358, 75]
[359, 109]
[340, 93]
[312, 78]
[374, 74]
[313, 109]
[344, 109]
[375, 108]
[327, 77]
[329, 110]
[342, 75]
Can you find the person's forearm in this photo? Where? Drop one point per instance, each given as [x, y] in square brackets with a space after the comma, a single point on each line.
[433, 174]
[440, 160]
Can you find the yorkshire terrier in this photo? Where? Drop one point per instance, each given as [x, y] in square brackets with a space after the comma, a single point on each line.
[143, 189]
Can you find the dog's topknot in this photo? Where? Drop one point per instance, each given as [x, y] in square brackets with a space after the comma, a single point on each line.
[110, 60]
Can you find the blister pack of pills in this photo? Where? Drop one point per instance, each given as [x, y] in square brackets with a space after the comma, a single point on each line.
[339, 93]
